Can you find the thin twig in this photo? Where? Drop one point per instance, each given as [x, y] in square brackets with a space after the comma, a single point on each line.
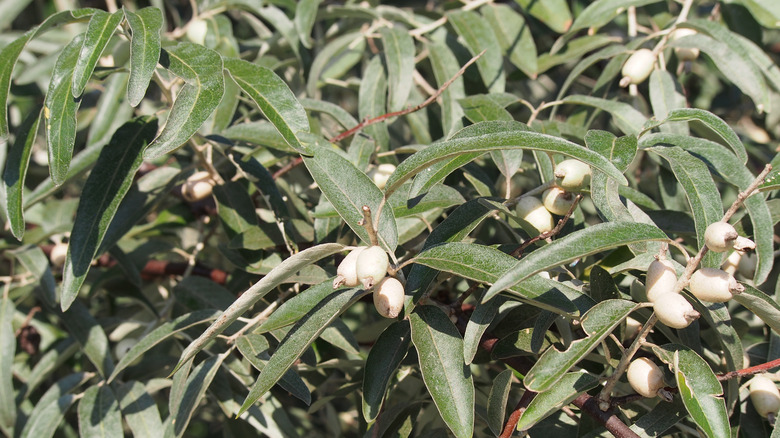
[514, 417]
[547, 234]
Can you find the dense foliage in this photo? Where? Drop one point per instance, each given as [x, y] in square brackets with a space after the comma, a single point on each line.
[182, 179]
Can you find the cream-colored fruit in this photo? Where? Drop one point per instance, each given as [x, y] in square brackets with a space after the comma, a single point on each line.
[572, 175]
[389, 297]
[197, 187]
[557, 201]
[58, 254]
[764, 395]
[744, 244]
[732, 262]
[638, 67]
[684, 53]
[196, 31]
[380, 174]
[674, 311]
[714, 285]
[645, 377]
[122, 347]
[346, 273]
[661, 278]
[532, 211]
[747, 265]
[632, 327]
[720, 236]
[372, 266]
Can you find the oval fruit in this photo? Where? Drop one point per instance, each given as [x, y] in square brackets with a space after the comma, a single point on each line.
[764, 395]
[372, 264]
[197, 187]
[674, 311]
[557, 201]
[532, 211]
[714, 285]
[58, 254]
[380, 174]
[661, 278]
[645, 377]
[720, 236]
[346, 273]
[572, 175]
[389, 297]
[638, 67]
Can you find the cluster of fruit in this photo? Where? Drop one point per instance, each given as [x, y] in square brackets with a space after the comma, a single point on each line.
[640, 64]
[570, 176]
[367, 266]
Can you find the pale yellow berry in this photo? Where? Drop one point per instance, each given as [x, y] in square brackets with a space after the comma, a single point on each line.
[764, 395]
[714, 285]
[372, 264]
[557, 201]
[346, 273]
[58, 254]
[674, 311]
[683, 53]
[732, 262]
[389, 297]
[632, 327]
[380, 174]
[572, 175]
[720, 236]
[196, 31]
[661, 278]
[197, 187]
[638, 67]
[532, 211]
[645, 377]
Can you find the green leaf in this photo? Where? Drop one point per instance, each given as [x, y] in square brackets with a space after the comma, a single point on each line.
[601, 12]
[399, 59]
[103, 192]
[665, 96]
[99, 31]
[439, 196]
[486, 264]
[59, 111]
[700, 189]
[201, 70]
[620, 151]
[305, 16]
[591, 240]
[445, 66]
[140, 410]
[146, 25]
[194, 391]
[497, 400]
[296, 307]
[381, 364]
[765, 12]
[160, 334]
[514, 36]
[349, 189]
[597, 323]
[713, 122]
[274, 99]
[565, 390]
[277, 276]
[662, 417]
[111, 112]
[98, 413]
[235, 208]
[10, 54]
[52, 406]
[254, 348]
[372, 101]
[762, 305]
[478, 36]
[440, 352]
[35, 261]
[609, 52]
[554, 13]
[15, 172]
[488, 136]
[282, 24]
[625, 116]
[699, 388]
[479, 321]
[7, 353]
[334, 59]
[90, 336]
[298, 339]
[575, 49]
[481, 108]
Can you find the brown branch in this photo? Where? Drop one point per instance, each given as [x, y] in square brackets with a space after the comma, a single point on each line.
[514, 417]
[517, 253]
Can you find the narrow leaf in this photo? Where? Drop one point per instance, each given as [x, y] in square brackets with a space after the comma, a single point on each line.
[627, 118]
[591, 240]
[305, 16]
[298, 339]
[445, 66]
[194, 391]
[140, 410]
[103, 192]
[99, 31]
[52, 406]
[597, 323]
[601, 12]
[554, 13]
[16, 172]
[399, 56]
[565, 390]
[372, 101]
[713, 122]
[479, 321]
[762, 305]
[440, 351]
[98, 413]
[90, 336]
[201, 70]
[274, 278]
[665, 96]
[146, 25]
[514, 36]
[111, 112]
[274, 98]
[296, 307]
[254, 348]
[7, 353]
[497, 400]
[478, 36]
[381, 364]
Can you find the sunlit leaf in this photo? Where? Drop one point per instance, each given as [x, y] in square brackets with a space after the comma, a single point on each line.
[146, 25]
[16, 172]
[98, 413]
[99, 31]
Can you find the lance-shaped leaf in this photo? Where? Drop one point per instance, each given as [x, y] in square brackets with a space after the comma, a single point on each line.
[700, 390]
[349, 189]
[16, 172]
[35, 261]
[201, 70]
[160, 334]
[52, 406]
[103, 192]
[554, 13]
[601, 12]
[7, 353]
[479, 321]
[597, 323]
[111, 112]
[478, 36]
[545, 403]
[445, 66]
[713, 122]
[296, 307]
[399, 56]
[99, 31]
[514, 36]
[491, 136]
[372, 101]
[440, 351]
[274, 99]
[497, 401]
[486, 264]
[277, 276]
[298, 340]
[254, 348]
[591, 240]
[700, 190]
[99, 414]
[666, 95]
[90, 336]
[194, 390]
[627, 118]
[386, 354]
[305, 16]
[660, 418]
[140, 410]
[59, 112]
[762, 305]
[146, 25]
[10, 54]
